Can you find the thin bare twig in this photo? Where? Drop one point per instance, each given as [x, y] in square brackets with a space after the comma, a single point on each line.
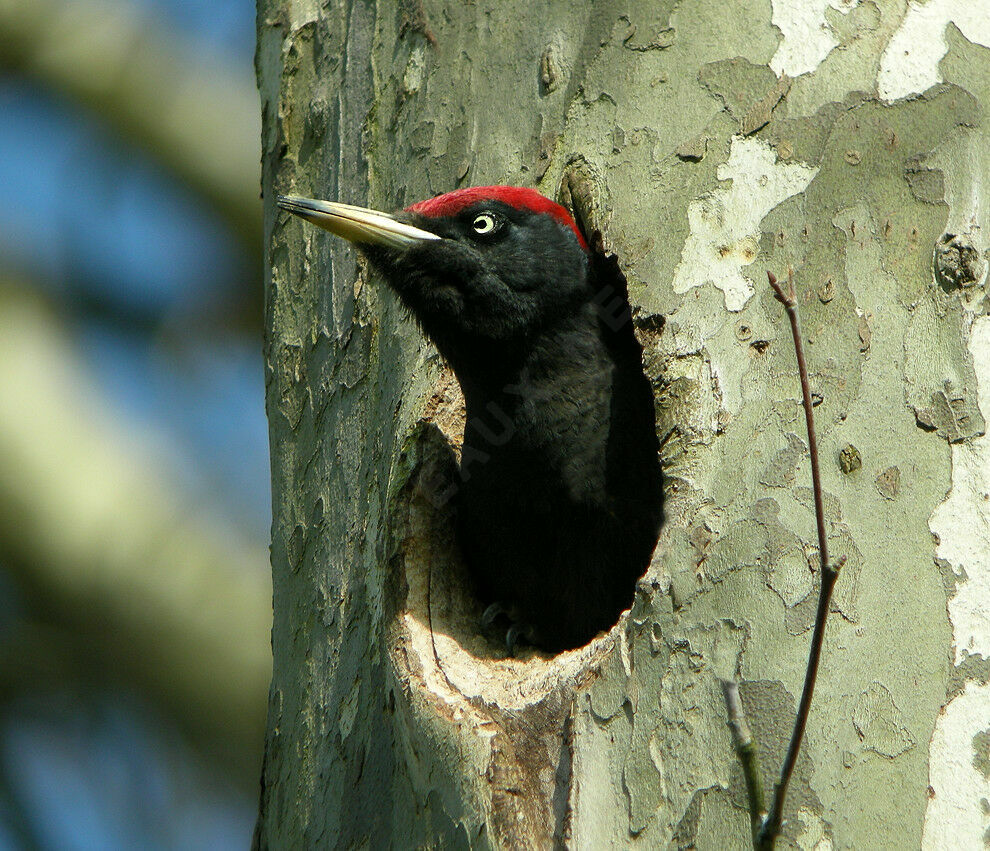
[770, 829]
[745, 746]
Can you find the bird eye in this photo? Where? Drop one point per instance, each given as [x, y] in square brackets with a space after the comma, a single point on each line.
[484, 224]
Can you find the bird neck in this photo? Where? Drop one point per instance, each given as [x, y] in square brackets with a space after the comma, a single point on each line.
[565, 359]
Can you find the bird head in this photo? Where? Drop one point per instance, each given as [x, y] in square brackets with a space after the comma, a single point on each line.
[482, 269]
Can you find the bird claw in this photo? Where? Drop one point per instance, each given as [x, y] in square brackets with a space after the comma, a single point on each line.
[490, 615]
[516, 633]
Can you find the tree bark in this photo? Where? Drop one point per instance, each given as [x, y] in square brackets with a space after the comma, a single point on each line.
[709, 144]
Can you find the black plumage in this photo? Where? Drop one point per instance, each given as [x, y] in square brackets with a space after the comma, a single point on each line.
[559, 501]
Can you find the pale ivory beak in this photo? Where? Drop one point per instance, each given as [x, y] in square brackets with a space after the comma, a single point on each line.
[357, 224]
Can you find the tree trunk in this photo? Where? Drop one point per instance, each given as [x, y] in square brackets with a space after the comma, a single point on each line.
[709, 142]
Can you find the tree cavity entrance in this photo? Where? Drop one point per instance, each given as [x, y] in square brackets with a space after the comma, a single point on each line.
[437, 638]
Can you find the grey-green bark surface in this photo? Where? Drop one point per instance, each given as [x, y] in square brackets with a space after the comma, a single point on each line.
[710, 141]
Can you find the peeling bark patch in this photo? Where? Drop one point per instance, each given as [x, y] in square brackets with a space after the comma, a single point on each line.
[927, 184]
[865, 334]
[888, 483]
[759, 116]
[551, 68]
[880, 724]
[850, 459]
[412, 79]
[290, 371]
[781, 470]
[582, 191]
[686, 830]
[693, 150]
[713, 819]
[641, 779]
[725, 223]
[798, 619]
[607, 694]
[295, 546]
[947, 414]
[652, 33]
[981, 753]
[957, 263]
[743, 545]
[846, 594]
[742, 86]
[659, 40]
[962, 524]
[791, 578]
[936, 351]
[910, 63]
[956, 816]
[806, 35]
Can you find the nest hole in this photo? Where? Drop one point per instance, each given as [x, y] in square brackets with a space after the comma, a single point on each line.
[439, 637]
[437, 607]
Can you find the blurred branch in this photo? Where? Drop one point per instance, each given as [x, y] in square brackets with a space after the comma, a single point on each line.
[198, 117]
[15, 814]
[101, 543]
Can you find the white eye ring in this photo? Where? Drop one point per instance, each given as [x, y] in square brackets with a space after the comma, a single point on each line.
[483, 224]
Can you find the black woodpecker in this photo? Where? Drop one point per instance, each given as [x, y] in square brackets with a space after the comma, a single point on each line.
[559, 501]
